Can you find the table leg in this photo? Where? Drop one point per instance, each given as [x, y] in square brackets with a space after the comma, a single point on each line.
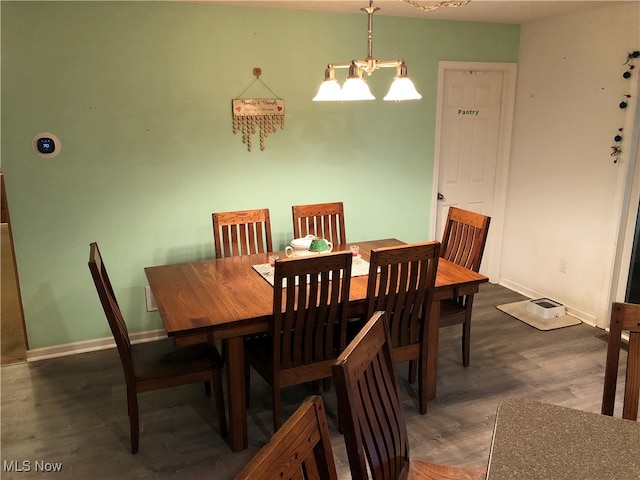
[433, 331]
[238, 439]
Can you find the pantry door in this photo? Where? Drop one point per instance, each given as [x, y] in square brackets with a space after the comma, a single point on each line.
[473, 138]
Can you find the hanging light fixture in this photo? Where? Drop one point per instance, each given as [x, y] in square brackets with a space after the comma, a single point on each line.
[355, 87]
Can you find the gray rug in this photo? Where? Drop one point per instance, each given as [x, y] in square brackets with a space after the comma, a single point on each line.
[519, 310]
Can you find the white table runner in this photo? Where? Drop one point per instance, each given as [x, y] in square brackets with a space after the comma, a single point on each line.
[359, 267]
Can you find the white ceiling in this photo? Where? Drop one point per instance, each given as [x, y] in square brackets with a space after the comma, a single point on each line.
[498, 11]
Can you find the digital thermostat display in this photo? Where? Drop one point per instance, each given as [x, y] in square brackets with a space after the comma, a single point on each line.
[46, 145]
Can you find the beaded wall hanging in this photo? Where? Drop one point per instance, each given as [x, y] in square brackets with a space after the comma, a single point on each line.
[252, 113]
[616, 149]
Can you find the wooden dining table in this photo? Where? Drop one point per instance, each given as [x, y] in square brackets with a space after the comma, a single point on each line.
[226, 299]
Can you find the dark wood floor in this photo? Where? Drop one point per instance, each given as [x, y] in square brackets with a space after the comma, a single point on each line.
[73, 410]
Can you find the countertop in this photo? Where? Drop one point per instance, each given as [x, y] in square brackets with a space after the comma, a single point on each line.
[534, 440]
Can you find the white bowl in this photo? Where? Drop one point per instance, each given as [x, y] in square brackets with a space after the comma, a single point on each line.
[302, 243]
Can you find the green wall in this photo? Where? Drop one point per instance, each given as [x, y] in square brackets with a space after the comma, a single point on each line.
[139, 94]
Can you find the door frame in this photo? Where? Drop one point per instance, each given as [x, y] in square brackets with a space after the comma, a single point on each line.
[628, 202]
[507, 105]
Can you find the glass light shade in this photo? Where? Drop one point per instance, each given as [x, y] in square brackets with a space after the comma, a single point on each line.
[402, 88]
[329, 91]
[356, 89]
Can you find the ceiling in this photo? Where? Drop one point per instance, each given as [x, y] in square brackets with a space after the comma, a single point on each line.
[498, 11]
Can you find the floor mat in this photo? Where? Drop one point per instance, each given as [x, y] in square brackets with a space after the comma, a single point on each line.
[519, 310]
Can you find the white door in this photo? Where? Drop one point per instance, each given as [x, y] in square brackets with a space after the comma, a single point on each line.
[475, 105]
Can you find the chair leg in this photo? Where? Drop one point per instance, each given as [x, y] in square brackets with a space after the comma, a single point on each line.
[327, 384]
[207, 388]
[247, 381]
[218, 396]
[277, 408]
[466, 331]
[422, 381]
[134, 420]
[413, 371]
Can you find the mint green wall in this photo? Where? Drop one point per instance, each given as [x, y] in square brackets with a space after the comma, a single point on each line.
[140, 96]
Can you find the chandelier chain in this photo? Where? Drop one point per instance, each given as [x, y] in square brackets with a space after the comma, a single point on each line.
[448, 3]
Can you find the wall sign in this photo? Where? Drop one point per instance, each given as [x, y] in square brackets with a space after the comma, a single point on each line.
[473, 113]
[265, 113]
[249, 113]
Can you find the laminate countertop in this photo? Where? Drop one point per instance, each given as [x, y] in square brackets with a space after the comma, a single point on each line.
[534, 440]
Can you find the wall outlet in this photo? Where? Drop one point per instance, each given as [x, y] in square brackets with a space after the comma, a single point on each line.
[152, 306]
[563, 266]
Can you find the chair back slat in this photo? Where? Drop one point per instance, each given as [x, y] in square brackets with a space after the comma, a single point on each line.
[370, 409]
[112, 311]
[401, 281]
[310, 297]
[243, 232]
[299, 450]
[324, 220]
[624, 317]
[464, 237]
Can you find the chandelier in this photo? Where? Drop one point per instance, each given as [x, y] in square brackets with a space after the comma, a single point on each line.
[355, 87]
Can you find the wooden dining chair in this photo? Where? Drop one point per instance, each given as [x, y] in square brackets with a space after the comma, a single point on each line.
[463, 241]
[155, 365]
[308, 331]
[300, 450]
[401, 282]
[371, 414]
[624, 317]
[242, 232]
[324, 220]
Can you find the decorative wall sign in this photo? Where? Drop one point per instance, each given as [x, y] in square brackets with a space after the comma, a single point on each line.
[264, 113]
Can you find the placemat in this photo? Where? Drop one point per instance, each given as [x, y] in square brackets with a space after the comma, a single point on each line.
[359, 267]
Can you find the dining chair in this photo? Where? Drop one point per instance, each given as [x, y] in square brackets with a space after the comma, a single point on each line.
[401, 281]
[371, 413]
[242, 232]
[463, 241]
[324, 220]
[158, 364]
[308, 331]
[300, 450]
[624, 317]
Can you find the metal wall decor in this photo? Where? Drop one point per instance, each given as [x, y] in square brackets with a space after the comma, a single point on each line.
[250, 114]
[616, 149]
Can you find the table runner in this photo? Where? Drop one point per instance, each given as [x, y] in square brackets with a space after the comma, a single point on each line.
[359, 268]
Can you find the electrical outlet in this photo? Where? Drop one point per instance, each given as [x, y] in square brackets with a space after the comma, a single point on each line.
[152, 306]
[563, 266]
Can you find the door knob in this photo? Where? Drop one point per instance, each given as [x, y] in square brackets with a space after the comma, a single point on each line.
[440, 196]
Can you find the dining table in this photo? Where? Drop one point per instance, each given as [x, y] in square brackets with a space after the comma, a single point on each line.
[226, 299]
[536, 440]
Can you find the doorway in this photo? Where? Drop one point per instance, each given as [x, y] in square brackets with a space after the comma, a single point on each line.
[633, 284]
[473, 140]
[625, 279]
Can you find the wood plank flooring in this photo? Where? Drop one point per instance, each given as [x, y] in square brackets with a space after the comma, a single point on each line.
[73, 411]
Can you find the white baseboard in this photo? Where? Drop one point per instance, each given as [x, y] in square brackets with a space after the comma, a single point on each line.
[90, 345]
[574, 312]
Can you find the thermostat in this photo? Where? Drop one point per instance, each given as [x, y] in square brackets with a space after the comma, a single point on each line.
[46, 145]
